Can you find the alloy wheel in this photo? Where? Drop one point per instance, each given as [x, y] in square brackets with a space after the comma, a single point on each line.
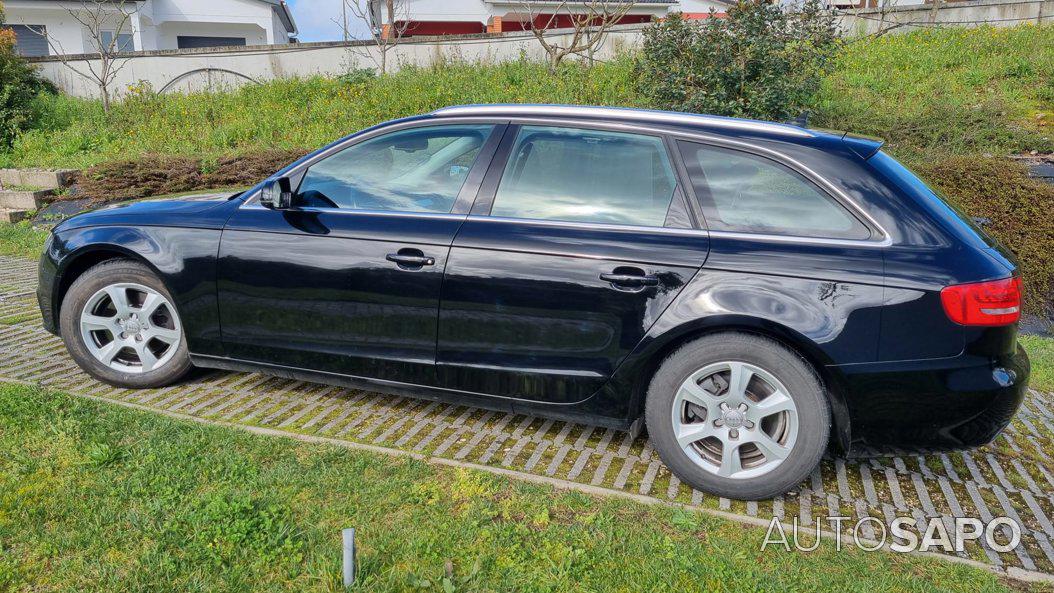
[130, 328]
[735, 419]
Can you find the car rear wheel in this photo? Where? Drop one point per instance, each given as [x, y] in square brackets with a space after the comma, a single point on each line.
[120, 325]
[738, 415]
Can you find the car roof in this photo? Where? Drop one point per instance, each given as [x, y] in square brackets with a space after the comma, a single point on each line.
[631, 115]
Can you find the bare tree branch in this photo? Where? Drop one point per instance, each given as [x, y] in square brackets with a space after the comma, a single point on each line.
[386, 20]
[590, 21]
[99, 18]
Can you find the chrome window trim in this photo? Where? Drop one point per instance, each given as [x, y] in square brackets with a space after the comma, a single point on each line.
[798, 239]
[351, 211]
[681, 232]
[624, 113]
[589, 225]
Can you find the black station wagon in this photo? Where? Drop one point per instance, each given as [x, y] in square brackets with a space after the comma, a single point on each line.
[752, 293]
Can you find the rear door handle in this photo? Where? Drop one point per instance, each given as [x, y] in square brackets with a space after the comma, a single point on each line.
[631, 280]
[410, 258]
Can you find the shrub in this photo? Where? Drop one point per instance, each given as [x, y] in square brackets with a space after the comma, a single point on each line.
[19, 87]
[763, 60]
[1018, 207]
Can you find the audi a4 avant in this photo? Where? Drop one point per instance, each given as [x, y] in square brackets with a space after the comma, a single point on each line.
[752, 293]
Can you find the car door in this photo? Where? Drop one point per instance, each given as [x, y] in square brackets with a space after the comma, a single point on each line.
[579, 240]
[348, 279]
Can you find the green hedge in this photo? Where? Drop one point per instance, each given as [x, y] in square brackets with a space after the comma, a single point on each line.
[1018, 207]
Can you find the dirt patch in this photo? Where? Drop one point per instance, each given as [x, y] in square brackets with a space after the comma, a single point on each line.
[248, 169]
[153, 175]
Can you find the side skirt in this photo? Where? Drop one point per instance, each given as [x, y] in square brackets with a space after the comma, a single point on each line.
[499, 404]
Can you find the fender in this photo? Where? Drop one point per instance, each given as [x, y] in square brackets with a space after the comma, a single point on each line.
[183, 258]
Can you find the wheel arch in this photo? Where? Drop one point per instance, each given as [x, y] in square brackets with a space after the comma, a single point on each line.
[841, 435]
[80, 261]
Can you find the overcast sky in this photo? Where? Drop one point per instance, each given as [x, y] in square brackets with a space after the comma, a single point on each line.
[318, 20]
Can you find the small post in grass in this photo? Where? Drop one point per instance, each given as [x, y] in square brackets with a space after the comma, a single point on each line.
[349, 556]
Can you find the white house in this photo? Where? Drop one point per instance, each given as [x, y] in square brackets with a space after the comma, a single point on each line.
[459, 17]
[49, 27]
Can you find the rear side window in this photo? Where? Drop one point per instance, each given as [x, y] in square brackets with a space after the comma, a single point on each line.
[586, 176]
[746, 193]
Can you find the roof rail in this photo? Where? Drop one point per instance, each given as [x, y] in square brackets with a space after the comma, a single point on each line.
[624, 113]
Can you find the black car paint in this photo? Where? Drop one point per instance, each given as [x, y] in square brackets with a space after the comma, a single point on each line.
[513, 314]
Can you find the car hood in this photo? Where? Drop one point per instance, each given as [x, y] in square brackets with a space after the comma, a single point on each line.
[202, 210]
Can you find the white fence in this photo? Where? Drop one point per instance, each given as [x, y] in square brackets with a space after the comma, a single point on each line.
[218, 68]
[898, 19]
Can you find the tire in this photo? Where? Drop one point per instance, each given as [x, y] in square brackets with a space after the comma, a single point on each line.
[775, 441]
[90, 323]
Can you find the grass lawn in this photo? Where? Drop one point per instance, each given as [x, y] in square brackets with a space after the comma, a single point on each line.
[1041, 354]
[943, 91]
[22, 240]
[98, 497]
[950, 90]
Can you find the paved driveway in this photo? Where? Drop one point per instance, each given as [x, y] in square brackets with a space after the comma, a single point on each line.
[1013, 477]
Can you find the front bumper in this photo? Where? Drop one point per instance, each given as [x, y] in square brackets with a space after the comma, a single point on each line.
[46, 277]
[959, 402]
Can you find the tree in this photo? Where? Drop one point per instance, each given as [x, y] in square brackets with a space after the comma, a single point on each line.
[763, 60]
[19, 86]
[105, 22]
[589, 21]
[884, 24]
[386, 20]
[935, 10]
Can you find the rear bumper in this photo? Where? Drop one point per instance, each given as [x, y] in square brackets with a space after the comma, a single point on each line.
[958, 402]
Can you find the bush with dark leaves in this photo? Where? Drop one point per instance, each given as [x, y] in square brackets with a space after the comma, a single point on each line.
[763, 60]
[19, 87]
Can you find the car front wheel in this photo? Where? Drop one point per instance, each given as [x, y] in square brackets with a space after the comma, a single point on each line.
[738, 415]
[120, 325]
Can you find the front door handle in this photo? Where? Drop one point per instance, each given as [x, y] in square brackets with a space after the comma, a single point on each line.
[627, 278]
[410, 258]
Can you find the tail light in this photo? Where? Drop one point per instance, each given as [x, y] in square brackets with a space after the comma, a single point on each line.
[997, 302]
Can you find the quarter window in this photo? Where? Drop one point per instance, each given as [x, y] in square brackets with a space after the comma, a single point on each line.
[416, 170]
[586, 176]
[747, 193]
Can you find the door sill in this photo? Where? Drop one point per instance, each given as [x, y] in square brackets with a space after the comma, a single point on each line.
[564, 412]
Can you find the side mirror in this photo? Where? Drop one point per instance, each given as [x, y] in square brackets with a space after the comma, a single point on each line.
[277, 194]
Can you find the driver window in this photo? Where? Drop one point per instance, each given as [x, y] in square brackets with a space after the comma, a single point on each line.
[416, 170]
